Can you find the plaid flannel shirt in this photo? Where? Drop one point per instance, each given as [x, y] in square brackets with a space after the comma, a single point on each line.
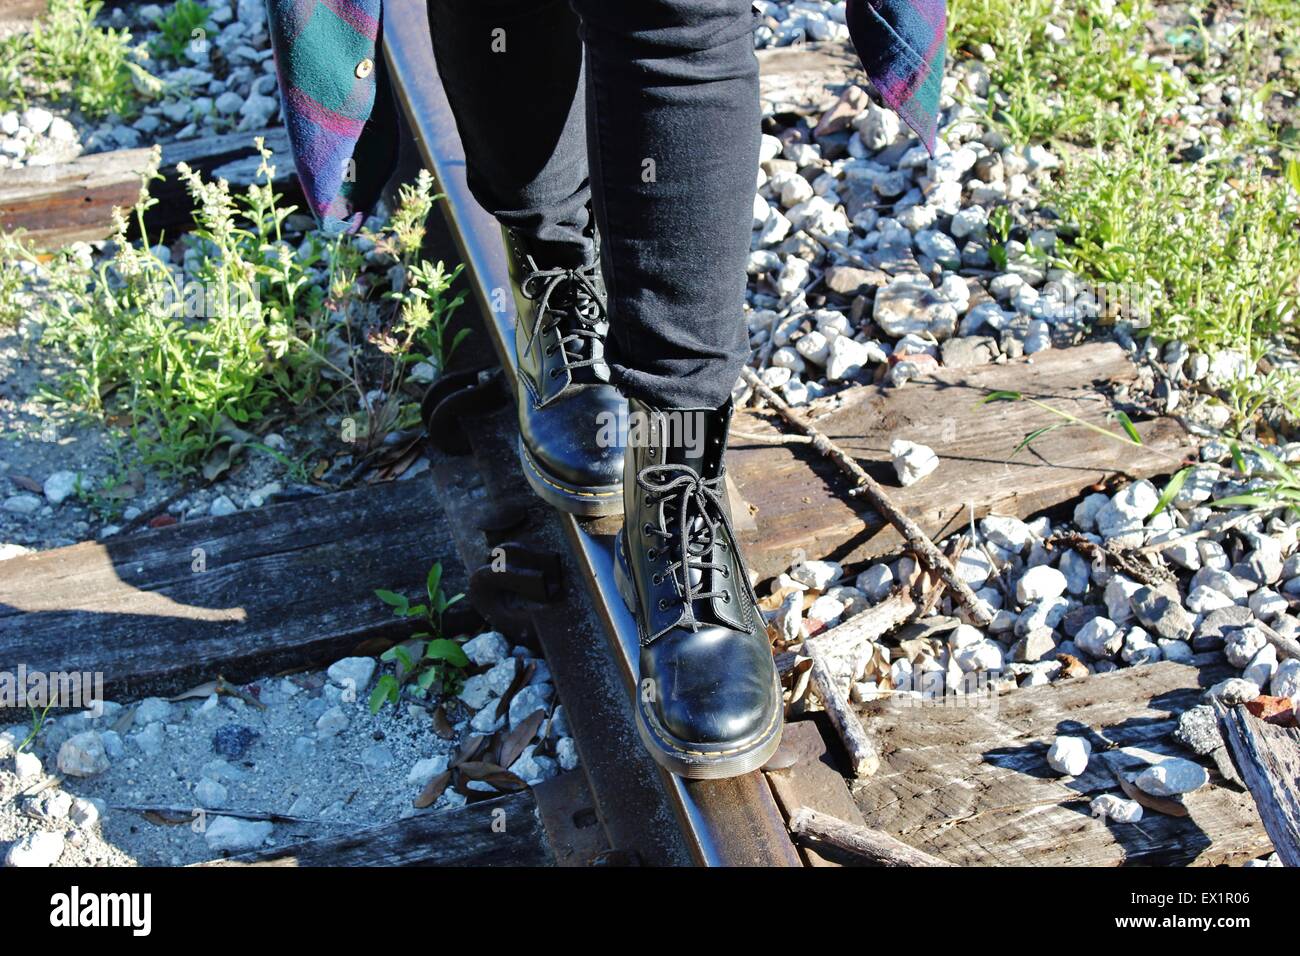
[341, 118]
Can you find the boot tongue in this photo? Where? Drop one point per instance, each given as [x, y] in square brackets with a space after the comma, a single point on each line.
[695, 437]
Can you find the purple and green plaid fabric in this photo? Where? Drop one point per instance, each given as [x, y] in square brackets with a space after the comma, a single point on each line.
[327, 99]
[335, 120]
[901, 44]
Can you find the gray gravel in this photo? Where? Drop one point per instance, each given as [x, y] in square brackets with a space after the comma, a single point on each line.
[304, 747]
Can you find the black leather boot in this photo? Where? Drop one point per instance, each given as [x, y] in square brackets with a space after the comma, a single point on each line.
[709, 699]
[570, 417]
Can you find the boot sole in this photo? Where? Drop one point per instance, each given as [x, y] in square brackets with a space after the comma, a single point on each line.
[598, 501]
[715, 761]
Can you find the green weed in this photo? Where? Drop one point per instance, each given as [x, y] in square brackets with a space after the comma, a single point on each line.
[67, 57]
[436, 664]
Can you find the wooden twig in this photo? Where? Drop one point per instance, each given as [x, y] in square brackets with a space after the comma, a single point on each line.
[937, 585]
[1138, 569]
[847, 636]
[863, 759]
[1268, 758]
[1286, 646]
[238, 814]
[864, 484]
[871, 846]
[771, 439]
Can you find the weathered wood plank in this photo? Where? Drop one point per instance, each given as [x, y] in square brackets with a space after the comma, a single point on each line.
[1268, 758]
[283, 586]
[798, 503]
[73, 201]
[970, 784]
[504, 831]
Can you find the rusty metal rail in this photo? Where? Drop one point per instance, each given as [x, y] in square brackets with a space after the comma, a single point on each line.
[725, 822]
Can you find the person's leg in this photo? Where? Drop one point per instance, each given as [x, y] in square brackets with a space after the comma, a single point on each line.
[673, 121]
[513, 73]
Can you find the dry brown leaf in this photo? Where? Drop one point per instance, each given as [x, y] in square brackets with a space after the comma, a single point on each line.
[124, 720]
[28, 484]
[1273, 710]
[471, 747]
[513, 743]
[167, 818]
[442, 726]
[1071, 666]
[395, 467]
[204, 690]
[432, 791]
[522, 676]
[491, 774]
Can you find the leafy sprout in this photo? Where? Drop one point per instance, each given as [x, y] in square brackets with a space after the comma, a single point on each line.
[434, 662]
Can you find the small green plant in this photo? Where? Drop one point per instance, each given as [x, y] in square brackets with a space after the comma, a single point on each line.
[15, 259]
[435, 663]
[1072, 70]
[185, 22]
[38, 718]
[193, 355]
[1275, 485]
[183, 351]
[1130, 435]
[67, 57]
[414, 324]
[1000, 224]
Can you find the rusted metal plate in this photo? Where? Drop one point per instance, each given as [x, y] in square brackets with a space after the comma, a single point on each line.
[568, 813]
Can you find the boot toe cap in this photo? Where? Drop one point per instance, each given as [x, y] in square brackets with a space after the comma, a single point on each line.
[720, 689]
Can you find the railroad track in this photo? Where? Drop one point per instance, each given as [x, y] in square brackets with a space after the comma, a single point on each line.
[723, 823]
[115, 607]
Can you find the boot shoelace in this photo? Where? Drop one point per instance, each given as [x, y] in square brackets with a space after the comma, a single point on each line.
[694, 505]
[581, 314]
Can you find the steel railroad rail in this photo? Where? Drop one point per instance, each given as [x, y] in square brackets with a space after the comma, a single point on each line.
[732, 822]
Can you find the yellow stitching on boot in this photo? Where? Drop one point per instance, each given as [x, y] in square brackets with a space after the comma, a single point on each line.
[571, 491]
[652, 724]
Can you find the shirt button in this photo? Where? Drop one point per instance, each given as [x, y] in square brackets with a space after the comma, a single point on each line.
[364, 68]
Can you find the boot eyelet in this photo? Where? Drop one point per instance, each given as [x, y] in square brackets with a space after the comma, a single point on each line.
[726, 597]
[651, 554]
[555, 373]
[656, 578]
[647, 528]
[663, 604]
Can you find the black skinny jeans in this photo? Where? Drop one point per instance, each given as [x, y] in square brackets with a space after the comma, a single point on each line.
[649, 109]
